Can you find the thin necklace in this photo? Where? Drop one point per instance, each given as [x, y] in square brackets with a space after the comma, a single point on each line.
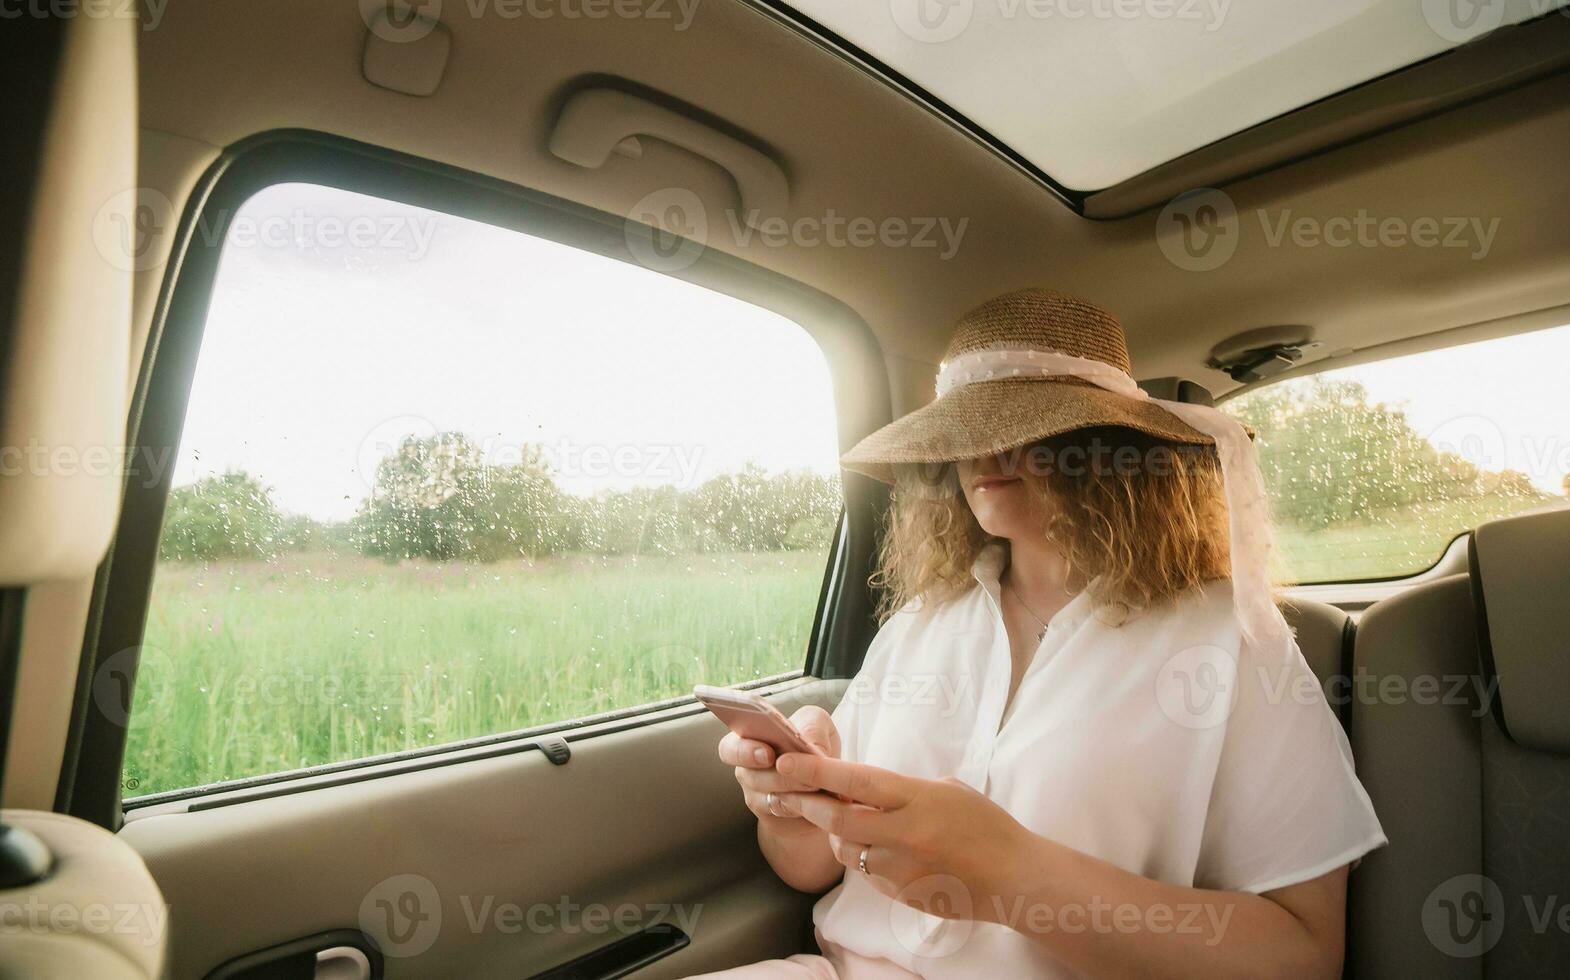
[1042, 633]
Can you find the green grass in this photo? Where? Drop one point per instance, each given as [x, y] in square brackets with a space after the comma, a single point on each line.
[260, 667]
[1391, 544]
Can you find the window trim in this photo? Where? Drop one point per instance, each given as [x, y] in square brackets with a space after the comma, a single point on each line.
[91, 772]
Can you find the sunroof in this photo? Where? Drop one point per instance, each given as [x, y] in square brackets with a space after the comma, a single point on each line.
[1093, 92]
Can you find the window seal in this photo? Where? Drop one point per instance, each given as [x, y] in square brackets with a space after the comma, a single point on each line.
[91, 770]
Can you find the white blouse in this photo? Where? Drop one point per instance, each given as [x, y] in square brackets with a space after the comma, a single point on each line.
[1158, 745]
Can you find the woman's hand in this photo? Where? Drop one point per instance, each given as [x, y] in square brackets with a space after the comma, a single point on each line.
[796, 850]
[941, 847]
[754, 762]
[907, 826]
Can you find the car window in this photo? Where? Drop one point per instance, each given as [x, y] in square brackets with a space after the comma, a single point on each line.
[441, 480]
[1373, 470]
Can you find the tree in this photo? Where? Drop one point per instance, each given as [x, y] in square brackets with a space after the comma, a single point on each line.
[754, 511]
[435, 497]
[1328, 455]
[426, 501]
[519, 510]
[228, 516]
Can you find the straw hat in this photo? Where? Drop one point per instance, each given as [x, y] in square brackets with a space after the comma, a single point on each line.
[987, 417]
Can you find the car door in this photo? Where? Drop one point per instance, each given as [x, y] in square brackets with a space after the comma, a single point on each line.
[443, 494]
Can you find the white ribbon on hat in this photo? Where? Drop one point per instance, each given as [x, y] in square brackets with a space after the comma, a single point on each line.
[1248, 514]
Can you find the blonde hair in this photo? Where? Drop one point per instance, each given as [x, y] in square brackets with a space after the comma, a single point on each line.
[1138, 519]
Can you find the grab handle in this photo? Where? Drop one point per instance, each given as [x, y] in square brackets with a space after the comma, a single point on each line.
[594, 121]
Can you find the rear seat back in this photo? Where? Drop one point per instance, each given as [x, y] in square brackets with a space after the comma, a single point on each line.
[1471, 780]
[1324, 634]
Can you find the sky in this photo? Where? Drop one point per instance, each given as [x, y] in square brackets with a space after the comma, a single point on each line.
[327, 343]
[341, 323]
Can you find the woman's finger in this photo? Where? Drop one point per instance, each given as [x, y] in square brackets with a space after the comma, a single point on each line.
[853, 780]
[842, 819]
[769, 781]
[738, 751]
[850, 853]
[817, 727]
[758, 803]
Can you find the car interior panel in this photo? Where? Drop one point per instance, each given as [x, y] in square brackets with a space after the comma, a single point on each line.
[406, 403]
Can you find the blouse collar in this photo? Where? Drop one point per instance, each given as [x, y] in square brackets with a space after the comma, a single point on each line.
[987, 570]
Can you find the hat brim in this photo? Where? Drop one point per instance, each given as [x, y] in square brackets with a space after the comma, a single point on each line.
[996, 416]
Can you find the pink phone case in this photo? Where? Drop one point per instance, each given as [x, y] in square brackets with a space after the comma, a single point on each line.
[749, 716]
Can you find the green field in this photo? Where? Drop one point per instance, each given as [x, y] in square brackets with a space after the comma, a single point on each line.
[1389, 545]
[258, 667]
[254, 667]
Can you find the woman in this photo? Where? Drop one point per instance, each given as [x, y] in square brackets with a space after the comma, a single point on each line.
[1083, 742]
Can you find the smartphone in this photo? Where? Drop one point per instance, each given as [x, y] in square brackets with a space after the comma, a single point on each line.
[750, 716]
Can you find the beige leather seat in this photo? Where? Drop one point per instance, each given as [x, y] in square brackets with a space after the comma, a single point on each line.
[1324, 634]
[1472, 782]
[69, 156]
[97, 914]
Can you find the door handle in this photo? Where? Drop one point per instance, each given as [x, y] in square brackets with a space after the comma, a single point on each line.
[338, 954]
[342, 963]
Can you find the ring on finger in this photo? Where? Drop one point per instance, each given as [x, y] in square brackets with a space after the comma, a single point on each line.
[769, 802]
[861, 862]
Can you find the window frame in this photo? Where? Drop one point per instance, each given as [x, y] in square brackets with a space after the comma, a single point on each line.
[843, 624]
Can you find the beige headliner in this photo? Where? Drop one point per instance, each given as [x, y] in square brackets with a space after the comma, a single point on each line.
[219, 70]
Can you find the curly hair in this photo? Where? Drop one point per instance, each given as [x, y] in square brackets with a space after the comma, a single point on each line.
[1138, 520]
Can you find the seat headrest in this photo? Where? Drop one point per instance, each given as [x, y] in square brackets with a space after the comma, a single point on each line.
[1521, 584]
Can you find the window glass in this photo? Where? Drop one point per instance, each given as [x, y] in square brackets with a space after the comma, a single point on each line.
[1095, 92]
[441, 480]
[1373, 470]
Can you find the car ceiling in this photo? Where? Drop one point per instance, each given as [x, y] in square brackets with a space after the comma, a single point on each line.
[217, 71]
